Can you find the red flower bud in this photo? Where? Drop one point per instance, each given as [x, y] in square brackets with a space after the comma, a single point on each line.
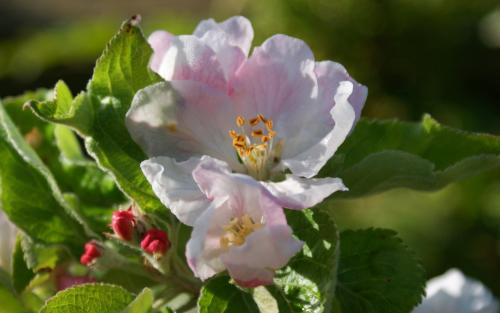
[155, 242]
[91, 253]
[123, 223]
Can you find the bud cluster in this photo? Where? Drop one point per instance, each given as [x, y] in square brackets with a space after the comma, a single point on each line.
[129, 227]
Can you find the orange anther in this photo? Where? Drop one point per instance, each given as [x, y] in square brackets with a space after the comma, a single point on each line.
[240, 121]
[257, 133]
[254, 121]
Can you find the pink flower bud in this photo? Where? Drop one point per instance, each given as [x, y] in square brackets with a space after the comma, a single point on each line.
[123, 223]
[92, 252]
[155, 242]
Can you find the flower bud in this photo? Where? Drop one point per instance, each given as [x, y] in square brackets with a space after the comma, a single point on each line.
[92, 252]
[123, 223]
[155, 242]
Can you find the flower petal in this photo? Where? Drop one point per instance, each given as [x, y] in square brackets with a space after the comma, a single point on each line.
[173, 184]
[309, 162]
[329, 75]
[268, 248]
[231, 41]
[160, 41]
[216, 181]
[236, 31]
[453, 292]
[300, 193]
[181, 120]
[278, 81]
[203, 248]
[186, 58]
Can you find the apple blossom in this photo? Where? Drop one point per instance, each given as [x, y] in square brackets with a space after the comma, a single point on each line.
[452, 292]
[273, 112]
[8, 233]
[243, 230]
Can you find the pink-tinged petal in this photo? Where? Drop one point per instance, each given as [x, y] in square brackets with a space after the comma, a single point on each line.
[173, 184]
[244, 194]
[160, 41]
[309, 162]
[186, 58]
[231, 41]
[236, 31]
[270, 247]
[278, 81]
[300, 193]
[182, 119]
[250, 277]
[329, 75]
[203, 248]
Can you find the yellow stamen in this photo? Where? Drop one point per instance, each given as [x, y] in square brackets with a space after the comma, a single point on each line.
[254, 121]
[269, 125]
[240, 121]
[237, 230]
[257, 133]
[256, 149]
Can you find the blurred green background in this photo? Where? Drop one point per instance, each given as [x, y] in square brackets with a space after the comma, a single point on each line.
[435, 56]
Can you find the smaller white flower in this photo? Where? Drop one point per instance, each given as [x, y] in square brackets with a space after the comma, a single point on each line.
[453, 292]
[242, 231]
[8, 233]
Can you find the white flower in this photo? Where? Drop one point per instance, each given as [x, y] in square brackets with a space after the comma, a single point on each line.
[274, 112]
[452, 292]
[243, 230]
[8, 233]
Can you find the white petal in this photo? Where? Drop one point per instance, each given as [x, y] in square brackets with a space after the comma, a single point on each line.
[300, 193]
[329, 75]
[160, 41]
[452, 292]
[309, 162]
[236, 31]
[181, 120]
[173, 184]
[186, 58]
[279, 81]
[230, 40]
[203, 248]
[270, 247]
[244, 194]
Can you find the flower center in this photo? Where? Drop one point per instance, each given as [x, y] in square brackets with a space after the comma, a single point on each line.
[237, 230]
[256, 145]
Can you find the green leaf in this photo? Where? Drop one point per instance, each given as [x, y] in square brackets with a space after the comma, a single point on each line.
[307, 284]
[142, 303]
[99, 113]
[377, 273]
[40, 257]
[219, 296]
[9, 303]
[89, 298]
[380, 155]
[30, 195]
[58, 147]
[21, 274]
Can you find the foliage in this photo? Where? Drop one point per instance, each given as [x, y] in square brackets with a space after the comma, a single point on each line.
[60, 199]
